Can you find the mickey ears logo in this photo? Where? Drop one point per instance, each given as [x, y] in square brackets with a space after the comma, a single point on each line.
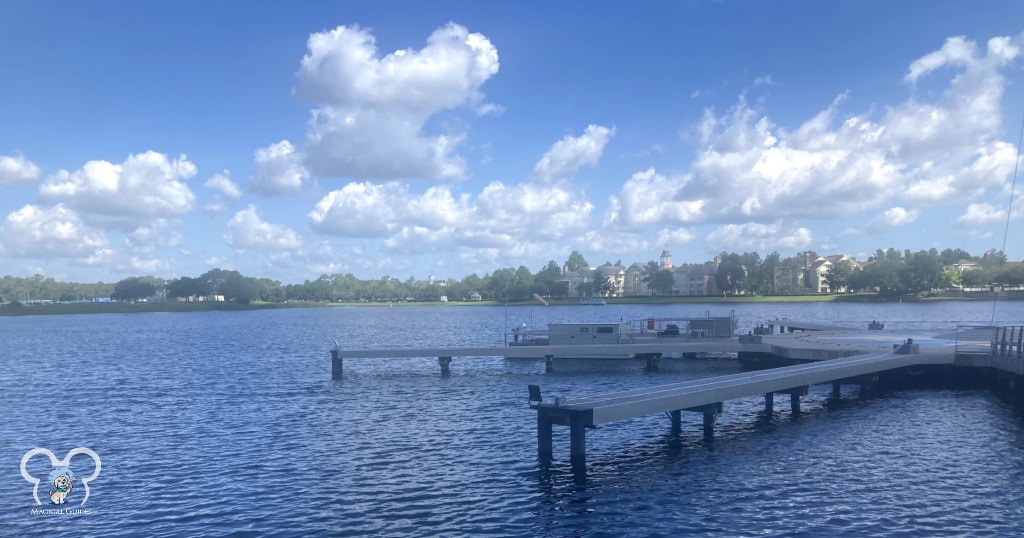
[61, 479]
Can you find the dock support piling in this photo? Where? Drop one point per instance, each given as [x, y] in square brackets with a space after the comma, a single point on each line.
[544, 449]
[709, 425]
[336, 364]
[769, 402]
[446, 365]
[653, 360]
[577, 438]
[835, 390]
[794, 402]
[677, 422]
[549, 363]
[710, 412]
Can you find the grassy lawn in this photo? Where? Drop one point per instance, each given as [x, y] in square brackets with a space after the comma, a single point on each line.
[129, 308]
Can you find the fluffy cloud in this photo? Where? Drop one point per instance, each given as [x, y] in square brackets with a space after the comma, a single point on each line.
[749, 170]
[248, 231]
[646, 199]
[501, 215]
[17, 169]
[221, 183]
[371, 110]
[56, 232]
[759, 237]
[144, 187]
[569, 154]
[278, 170]
[510, 217]
[359, 210]
[981, 214]
[892, 218]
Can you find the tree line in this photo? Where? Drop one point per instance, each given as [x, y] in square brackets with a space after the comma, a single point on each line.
[889, 271]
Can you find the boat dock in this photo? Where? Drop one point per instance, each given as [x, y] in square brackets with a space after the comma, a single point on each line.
[843, 357]
[812, 356]
[707, 396]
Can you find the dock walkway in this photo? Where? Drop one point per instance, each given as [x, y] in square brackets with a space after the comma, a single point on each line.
[707, 395]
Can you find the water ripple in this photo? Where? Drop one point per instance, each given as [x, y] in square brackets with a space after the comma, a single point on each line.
[227, 423]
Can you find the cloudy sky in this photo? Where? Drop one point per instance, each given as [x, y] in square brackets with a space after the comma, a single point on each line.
[416, 139]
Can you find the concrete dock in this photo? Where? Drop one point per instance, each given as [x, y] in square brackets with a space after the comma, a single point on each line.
[811, 352]
[839, 357]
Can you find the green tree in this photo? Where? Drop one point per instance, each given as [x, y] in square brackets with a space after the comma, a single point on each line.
[500, 282]
[650, 275]
[548, 274]
[976, 278]
[188, 287]
[730, 276]
[577, 262]
[921, 271]
[950, 277]
[133, 289]
[884, 271]
[1011, 276]
[952, 255]
[840, 274]
[663, 282]
[993, 259]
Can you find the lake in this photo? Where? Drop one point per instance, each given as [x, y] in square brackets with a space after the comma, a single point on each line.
[212, 423]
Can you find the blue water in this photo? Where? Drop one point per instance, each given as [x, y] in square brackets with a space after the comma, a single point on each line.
[215, 423]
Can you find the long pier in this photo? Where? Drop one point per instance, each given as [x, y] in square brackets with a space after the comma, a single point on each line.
[650, 351]
[707, 396]
[817, 353]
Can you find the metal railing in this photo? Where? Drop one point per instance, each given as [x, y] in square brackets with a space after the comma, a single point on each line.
[990, 341]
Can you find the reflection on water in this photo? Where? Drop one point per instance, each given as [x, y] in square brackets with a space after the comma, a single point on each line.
[229, 422]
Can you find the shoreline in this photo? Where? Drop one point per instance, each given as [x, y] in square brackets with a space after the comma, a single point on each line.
[170, 307]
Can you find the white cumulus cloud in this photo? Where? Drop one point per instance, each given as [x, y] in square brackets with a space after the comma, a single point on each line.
[569, 154]
[371, 109]
[892, 218]
[222, 184]
[17, 169]
[248, 231]
[144, 187]
[758, 237]
[916, 153]
[278, 170]
[49, 232]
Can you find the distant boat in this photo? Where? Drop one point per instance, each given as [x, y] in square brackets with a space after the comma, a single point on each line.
[593, 301]
[642, 331]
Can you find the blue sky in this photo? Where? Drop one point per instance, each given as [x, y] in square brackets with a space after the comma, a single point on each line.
[416, 139]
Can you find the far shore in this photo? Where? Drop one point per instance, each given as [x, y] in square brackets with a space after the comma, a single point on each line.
[173, 306]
